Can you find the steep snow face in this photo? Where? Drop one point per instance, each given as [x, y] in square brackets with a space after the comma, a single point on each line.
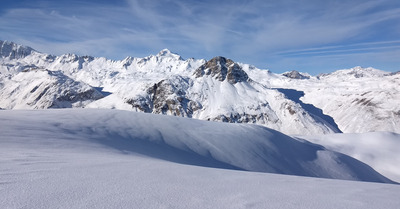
[181, 140]
[39, 89]
[358, 99]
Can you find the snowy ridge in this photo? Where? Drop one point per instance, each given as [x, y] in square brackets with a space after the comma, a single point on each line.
[193, 142]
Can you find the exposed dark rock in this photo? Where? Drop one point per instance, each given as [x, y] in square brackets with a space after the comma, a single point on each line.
[393, 73]
[364, 102]
[68, 97]
[166, 97]
[221, 68]
[261, 118]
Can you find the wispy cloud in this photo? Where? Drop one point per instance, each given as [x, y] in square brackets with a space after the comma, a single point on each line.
[252, 31]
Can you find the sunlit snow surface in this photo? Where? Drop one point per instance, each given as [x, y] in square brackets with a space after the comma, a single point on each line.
[116, 159]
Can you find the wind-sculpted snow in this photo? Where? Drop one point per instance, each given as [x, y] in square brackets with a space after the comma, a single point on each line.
[188, 141]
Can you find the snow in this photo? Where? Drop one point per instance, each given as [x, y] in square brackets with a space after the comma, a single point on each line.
[85, 158]
[242, 146]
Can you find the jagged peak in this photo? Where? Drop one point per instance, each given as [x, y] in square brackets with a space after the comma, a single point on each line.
[222, 68]
[14, 51]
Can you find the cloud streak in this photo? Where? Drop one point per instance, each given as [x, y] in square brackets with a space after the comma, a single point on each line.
[252, 31]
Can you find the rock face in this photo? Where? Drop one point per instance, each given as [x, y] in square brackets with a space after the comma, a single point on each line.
[14, 51]
[221, 68]
[295, 75]
[169, 96]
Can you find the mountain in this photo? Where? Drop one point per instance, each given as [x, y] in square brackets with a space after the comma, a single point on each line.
[41, 88]
[11, 50]
[217, 90]
[358, 99]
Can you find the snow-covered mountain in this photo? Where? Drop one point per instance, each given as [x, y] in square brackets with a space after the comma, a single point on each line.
[91, 155]
[358, 99]
[216, 90]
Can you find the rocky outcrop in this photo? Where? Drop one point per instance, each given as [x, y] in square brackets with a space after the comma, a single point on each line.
[14, 51]
[260, 118]
[222, 69]
[295, 75]
[166, 97]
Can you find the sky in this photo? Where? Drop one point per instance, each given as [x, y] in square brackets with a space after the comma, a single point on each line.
[306, 35]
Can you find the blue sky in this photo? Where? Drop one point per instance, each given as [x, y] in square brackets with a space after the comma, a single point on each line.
[312, 36]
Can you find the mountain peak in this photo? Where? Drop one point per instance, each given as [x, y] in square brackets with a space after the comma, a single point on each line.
[13, 50]
[295, 75]
[168, 53]
[222, 68]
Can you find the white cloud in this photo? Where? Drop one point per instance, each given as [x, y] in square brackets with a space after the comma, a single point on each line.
[259, 31]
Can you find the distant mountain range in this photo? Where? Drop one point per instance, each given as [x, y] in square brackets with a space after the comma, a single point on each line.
[351, 100]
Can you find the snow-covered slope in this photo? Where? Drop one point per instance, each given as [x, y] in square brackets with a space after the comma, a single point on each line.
[242, 146]
[84, 158]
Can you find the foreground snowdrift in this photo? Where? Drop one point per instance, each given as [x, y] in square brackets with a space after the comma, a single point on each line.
[116, 159]
[188, 141]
